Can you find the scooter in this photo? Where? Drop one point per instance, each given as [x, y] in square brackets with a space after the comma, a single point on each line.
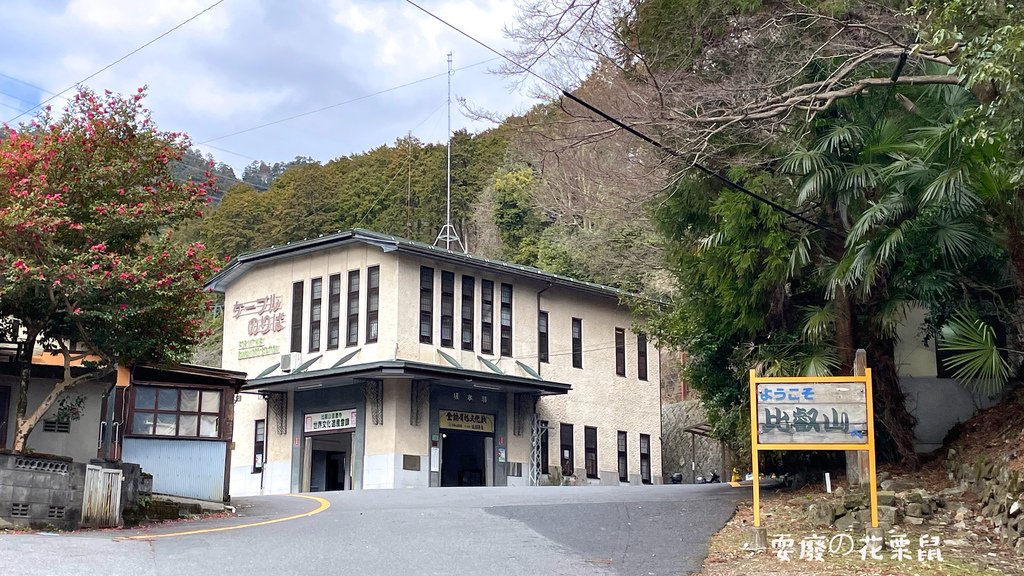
[713, 479]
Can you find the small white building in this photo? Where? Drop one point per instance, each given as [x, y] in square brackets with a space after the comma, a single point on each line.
[379, 362]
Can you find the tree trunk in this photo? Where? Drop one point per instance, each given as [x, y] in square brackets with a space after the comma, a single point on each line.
[22, 430]
[895, 432]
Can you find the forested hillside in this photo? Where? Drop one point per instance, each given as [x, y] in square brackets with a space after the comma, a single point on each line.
[806, 173]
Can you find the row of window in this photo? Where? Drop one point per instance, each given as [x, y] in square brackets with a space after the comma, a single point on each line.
[468, 306]
[179, 412]
[316, 310]
[543, 351]
[566, 452]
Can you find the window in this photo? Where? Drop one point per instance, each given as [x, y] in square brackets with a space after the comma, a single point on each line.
[372, 303]
[61, 426]
[352, 324]
[565, 438]
[544, 447]
[506, 319]
[542, 337]
[468, 303]
[426, 305]
[590, 450]
[176, 412]
[447, 309]
[645, 458]
[641, 356]
[316, 288]
[334, 312]
[259, 440]
[486, 317]
[297, 289]
[577, 343]
[620, 352]
[623, 460]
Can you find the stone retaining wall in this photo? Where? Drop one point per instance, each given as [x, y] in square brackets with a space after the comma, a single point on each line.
[1001, 492]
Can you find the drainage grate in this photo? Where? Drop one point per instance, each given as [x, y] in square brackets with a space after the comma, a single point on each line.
[55, 513]
[19, 510]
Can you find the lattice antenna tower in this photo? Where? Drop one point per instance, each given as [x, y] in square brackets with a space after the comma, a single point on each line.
[448, 234]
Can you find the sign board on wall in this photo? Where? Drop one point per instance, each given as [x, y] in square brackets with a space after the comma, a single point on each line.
[255, 348]
[812, 413]
[471, 421]
[335, 420]
[266, 314]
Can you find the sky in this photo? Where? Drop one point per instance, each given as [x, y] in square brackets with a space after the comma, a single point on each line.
[245, 63]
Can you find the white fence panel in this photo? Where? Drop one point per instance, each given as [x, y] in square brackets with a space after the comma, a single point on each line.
[101, 503]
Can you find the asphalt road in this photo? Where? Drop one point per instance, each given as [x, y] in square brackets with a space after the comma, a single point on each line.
[633, 531]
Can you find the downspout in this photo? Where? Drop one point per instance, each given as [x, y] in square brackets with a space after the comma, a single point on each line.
[266, 437]
[542, 290]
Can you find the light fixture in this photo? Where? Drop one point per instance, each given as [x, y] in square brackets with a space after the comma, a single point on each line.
[487, 387]
[309, 386]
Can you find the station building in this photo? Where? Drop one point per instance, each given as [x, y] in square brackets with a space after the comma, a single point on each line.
[378, 362]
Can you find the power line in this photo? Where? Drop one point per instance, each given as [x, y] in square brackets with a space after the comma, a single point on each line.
[337, 104]
[119, 60]
[664, 148]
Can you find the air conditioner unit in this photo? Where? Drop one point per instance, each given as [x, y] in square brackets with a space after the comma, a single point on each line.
[290, 361]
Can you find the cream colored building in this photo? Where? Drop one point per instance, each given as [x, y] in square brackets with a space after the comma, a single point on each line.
[378, 362]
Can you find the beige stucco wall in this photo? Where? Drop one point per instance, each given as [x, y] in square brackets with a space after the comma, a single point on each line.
[599, 397]
[914, 358]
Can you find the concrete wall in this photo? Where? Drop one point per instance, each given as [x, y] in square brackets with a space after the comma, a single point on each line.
[688, 454]
[40, 493]
[80, 443]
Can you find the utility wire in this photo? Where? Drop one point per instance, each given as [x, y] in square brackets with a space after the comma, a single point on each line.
[119, 60]
[664, 148]
[349, 101]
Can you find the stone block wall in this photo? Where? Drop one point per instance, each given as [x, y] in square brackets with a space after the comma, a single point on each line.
[1001, 491]
[40, 492]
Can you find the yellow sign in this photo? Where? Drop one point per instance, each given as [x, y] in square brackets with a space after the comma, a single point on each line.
[471, 421]
[812, 413]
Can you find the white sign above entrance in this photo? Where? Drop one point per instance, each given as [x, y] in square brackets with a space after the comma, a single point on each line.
[330, 421]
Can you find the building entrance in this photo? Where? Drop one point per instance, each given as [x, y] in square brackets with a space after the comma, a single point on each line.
[467, 458]
[328, 462]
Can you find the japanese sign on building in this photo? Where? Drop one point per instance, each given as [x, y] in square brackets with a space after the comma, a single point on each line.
[329, 421]
[266, 312]
[812, 413]
[255, 347]
[454, 420]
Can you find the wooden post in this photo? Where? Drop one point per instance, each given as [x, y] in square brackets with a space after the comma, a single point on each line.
[857, 469]
[754, 456]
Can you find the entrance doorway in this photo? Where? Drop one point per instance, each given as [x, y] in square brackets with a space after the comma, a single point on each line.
[328, 462]
[466, 458]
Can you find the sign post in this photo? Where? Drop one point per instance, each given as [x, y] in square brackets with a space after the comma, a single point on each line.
[812, 413]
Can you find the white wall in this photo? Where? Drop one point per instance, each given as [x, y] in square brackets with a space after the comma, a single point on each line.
[81, 442]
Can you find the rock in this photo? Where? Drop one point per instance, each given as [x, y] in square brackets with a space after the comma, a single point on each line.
[1014, 508]
[961, 525]
[913, 498]
[882, 477]
[914, 520]
[821, 514]
[886, 498]
[926, 508]
[895, 485]
[1019, 547]
[863, 515]
[952, 493]
[847, 523]
[913, 510]
[955, 542]
[839, 492]
[962, 513]
[855, 500]
[886, 514]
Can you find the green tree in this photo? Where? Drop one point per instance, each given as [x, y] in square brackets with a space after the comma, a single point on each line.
[90, 269]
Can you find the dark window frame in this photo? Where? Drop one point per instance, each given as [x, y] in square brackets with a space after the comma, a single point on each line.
[590, 451]
[259, 443]
[334, 312]
[487, 316]
[543, 328]
[620, 351]
[645, 458]
[641, 356]
[506, 320]
[316, 312]
[157, 410]
[468, 311]
[372, 304]
[623, 455]
[577, 342]
[426, 305]
[352, 310]
[447, 315]
[298, 291]
[566, 461]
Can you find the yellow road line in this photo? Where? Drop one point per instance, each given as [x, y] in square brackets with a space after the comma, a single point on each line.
[324, 505]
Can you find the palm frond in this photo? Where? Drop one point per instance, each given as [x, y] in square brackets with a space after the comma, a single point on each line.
[820, 362]
[819, 322]
[977, 361]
